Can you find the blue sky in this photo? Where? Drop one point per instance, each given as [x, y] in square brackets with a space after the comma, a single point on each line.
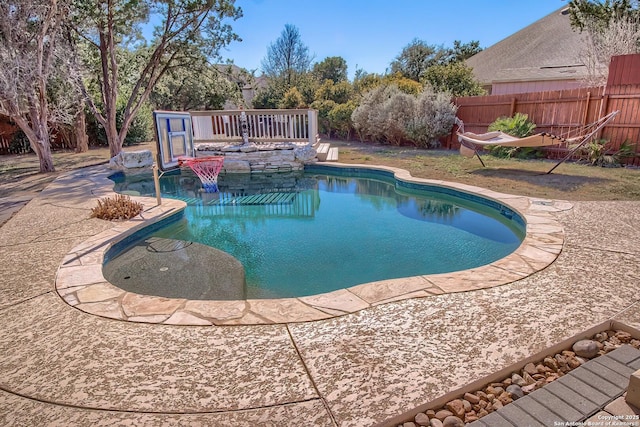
[369, 34]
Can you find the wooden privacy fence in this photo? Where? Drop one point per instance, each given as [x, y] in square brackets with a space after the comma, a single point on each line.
[559, 112]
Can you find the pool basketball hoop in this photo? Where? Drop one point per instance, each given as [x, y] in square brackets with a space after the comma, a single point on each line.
[206, 168]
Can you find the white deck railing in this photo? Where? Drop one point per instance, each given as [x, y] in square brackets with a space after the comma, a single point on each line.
[263, 126]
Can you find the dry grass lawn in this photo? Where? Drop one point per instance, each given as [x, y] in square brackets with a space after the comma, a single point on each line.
[570, 181]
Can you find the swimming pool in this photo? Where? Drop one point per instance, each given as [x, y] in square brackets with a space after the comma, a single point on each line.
[298, 234]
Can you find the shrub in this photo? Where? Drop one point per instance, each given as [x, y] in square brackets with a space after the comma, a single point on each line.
[292, 99]
[324, 122]
[340, 119]
[140, 129]
[518, 126]
[120, 207]
[598, 153]
[19, 143]
[387, 114]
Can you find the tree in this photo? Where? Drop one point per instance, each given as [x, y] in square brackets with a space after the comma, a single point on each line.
[462, 51]
[598, 14]
[188, 29]
[287, 58]
[34, 67]
[201, 87]
[416, 57]
[455, 78]
[611, 28]
[332, 68]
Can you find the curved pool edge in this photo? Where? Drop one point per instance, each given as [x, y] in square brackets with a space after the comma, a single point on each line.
[81, 284]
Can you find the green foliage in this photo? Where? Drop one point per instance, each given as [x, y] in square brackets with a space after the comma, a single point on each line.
[386, 114]
[416, 57]
[598, 153]
[518, 125]
[19, 143]
[584, 13]
[332, 68]
[139, 131]
[201, 87]
[323, 106]
[455, 78]
[340, 119]
[462, 51]
[339, 93]
[363, 82]
[122, 66]
[268, 97]
[292, 99]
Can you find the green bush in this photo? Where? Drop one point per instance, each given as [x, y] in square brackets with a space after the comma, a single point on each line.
[19, 143]
[598, 153]
[340, 119]
[520, 127]
[139, 130]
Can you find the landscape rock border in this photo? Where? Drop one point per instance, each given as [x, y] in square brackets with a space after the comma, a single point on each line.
[474, 405]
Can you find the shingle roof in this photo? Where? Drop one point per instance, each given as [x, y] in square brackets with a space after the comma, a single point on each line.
[548, 49]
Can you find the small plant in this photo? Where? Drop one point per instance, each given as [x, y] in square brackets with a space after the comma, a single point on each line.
[116, 208]
[518, 126]
[597, 152]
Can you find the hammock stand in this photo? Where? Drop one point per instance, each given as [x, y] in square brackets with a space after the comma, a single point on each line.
[470, 142]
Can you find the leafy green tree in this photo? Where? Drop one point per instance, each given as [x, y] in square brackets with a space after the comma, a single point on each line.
[339, 93]
[416, 57]
[455, 78]
[324, 107]
[202, 87]
[462, 51]
[287, 58]
[332, 68]
[364, 82]
[584, 13]
[292, 99]
[187, 30]
[340, 118]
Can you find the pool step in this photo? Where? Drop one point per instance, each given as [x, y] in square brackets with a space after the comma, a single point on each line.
[257, 199]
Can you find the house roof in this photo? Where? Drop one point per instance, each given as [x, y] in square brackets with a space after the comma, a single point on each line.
[548, 49]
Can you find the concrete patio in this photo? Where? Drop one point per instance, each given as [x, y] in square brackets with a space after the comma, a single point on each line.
[63, 366]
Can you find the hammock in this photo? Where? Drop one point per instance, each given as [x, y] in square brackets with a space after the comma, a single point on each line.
[470, 142]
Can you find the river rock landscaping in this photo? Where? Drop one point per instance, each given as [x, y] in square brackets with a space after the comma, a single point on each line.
[475, 405]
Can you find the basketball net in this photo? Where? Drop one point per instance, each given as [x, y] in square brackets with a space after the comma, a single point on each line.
[206, 168]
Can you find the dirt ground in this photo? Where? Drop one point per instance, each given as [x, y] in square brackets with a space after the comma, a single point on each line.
[571, 181]
[19, 173]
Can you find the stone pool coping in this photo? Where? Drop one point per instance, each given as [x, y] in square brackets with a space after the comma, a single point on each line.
[81, 284]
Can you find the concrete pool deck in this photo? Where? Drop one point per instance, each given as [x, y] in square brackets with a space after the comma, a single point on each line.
[63, 366]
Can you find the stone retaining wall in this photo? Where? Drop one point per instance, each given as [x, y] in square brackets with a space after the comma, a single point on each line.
[249, 158]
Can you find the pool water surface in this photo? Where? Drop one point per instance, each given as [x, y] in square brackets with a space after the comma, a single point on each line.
[299, 234]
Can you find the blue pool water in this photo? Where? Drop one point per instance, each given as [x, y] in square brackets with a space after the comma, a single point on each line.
[299, 234]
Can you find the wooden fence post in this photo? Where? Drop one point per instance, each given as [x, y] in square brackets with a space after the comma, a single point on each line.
[513, 107]
[586, 109]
